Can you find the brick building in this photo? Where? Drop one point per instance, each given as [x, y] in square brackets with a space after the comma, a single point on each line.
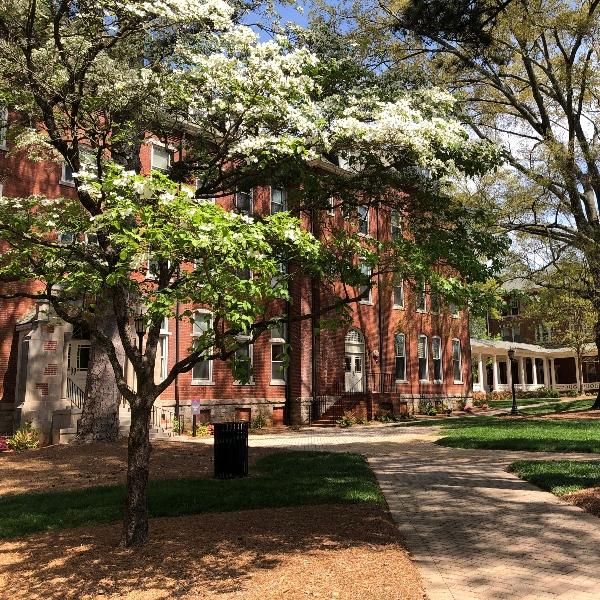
[405, 346]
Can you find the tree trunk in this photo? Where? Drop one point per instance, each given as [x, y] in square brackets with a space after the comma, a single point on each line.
[100, 417]
[135, 519]
[596, 404]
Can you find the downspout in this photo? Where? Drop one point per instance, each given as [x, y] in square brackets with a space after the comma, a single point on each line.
[379, 312]
[287, 412]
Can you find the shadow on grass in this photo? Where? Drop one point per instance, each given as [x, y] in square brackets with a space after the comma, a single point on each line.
[283, 479]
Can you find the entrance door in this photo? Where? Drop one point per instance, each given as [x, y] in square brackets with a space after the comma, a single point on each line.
[78, 361]
[354, 366]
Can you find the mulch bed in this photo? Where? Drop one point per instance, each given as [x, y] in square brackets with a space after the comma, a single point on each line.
[87, 465]
[588, 499]
[576, 414]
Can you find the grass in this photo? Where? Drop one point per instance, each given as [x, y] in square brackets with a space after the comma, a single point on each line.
[559, 407]
[282, 479]
[558, 476]
[520, 402]
[495, 433]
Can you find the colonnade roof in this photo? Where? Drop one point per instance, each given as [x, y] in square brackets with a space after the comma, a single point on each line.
[500, 347]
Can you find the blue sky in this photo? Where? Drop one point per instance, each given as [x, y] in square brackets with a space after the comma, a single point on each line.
[288, 13]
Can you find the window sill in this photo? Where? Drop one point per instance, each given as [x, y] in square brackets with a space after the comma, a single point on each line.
[278, 382]
[438, 381]
[401, 381]
[397, 307]
[243, 384]
[424, 381]
[67, 183]
[422, 310]
[458, 382]
[202, 383]
[366, 302]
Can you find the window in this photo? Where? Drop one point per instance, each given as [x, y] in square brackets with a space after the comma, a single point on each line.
[364, 291]
[3, 127]
[457, 361]
[400, 350]
[435, 302]
[453, 308]
[245, 274]
[502, 372]
[396, 225]
[330, 206]
[278, 353]
[278, 200]
[66, 238]
[511, 334]
[512, 308]
[398, 292]
[243, 201]
[436, 355]
[201, 326]
[83, 357]
[164, 348]
[422, 297]
[279, 277]
[244, 355]
[363, 220]
[161, 158]
[542, 333]
[87, 158]
[422, 351]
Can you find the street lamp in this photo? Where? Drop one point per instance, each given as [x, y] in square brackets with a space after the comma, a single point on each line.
[511, 357]
[140, 328]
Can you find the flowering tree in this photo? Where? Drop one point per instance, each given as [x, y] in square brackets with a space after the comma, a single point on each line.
[96, 77]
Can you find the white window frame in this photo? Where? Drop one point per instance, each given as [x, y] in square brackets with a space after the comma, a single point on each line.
[369, 298]
[170, 150]
[396, 356]
[330, 206]
[440, 358]
[164, 348]
[395, 286]
[250, 347]
[3, 127]
[422, 290]
[284, 200]
[460, 361]
[426, 350]
[209, 380]
[250, 210]
[395, 224]
[83, 150]
[366, 220]
[278, 340]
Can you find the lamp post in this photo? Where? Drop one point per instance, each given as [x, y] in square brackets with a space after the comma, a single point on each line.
[511, 357]
[140, 328]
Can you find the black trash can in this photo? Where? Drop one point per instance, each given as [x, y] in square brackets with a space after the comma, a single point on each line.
[231, 449]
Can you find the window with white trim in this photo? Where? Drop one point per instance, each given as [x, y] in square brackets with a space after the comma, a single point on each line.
[422, 297]
[201, 325]
[396, 224]
[434, 301]
[3, 127]
[400, 352]
[365, 291]
[453, 309]
[278, 200]
[161, 158]
[245, 354]
[457, 361]
[363, 220]
[330, 206]
[243, 201]
[87, 158]
[164, 348]
[436, 357]
[398, 291]
[278, 354]
[423, 362]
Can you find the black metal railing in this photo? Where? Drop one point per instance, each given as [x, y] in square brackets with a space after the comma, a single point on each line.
[384, 383]
[371, 382]
[75, 394]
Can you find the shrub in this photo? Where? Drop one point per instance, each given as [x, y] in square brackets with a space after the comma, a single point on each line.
[362, 421]
[203, 429]
[3, 443]
[571, 393]
[25, 438]
[384, 416]
[348, 419]
[176, 426]
[259, 421]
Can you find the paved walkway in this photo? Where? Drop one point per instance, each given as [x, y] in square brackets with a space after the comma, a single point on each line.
[474, 530]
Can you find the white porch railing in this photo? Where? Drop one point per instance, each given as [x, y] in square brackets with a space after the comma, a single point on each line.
[592, 385]
[563, 387]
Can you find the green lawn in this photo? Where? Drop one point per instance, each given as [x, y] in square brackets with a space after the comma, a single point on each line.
[278, 480]
[559, 407]
[497, 433]
[558, 476]
[520, 402]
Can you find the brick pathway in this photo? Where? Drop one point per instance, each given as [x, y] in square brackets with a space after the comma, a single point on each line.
[474, 530]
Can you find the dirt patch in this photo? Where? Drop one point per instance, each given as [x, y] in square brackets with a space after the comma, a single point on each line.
[576, 414]
[87, 465]
[346, 552]
[588, 499]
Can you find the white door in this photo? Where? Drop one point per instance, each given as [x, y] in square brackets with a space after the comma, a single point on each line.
[354, 361]
[78, 360]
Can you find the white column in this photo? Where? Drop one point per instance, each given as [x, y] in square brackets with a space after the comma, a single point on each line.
[481, 378]
[522, 379]
[494, 373]
[546, 373]
[577, 373]
[509, 364]
[533, 371]
[552, 374]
